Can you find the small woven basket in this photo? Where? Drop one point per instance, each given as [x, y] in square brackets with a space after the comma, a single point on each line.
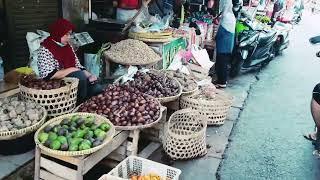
[134, 165]
[215, 109]
[56, 101]
[185, 135]
[57, 120]
[10, 135]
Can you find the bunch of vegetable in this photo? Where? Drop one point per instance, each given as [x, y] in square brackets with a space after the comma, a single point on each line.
[16, 114]
[74, 134]
[41, 84]
[123, 105]
[155, 84]
[263, 19]
[188, 83]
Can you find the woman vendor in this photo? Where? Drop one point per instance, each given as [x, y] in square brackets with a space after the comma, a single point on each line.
[57, 59]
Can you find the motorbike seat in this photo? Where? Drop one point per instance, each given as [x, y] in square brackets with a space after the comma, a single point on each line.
[266, 37]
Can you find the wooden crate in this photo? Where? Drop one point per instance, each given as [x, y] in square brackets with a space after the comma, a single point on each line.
[51, 168]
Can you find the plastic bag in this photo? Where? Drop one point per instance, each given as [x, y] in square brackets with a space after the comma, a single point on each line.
[34, 41]
[132, 70]
[202, 57]
[178, 63]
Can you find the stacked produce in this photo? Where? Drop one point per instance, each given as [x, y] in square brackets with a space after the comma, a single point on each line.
[187, 82]
[155, 84]
[16, 114]
[150, 176]
[41, 84]
[123, 105]
[74, 134]
[133, 52]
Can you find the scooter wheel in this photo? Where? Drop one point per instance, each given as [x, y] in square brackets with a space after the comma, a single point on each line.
[318, 54]
[235, 68]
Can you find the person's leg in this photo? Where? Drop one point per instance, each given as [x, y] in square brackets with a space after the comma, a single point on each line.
[82, 87]
[94, 89]
[221, 68]
[315, 111]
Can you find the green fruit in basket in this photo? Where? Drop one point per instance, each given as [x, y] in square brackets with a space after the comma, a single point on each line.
[47, 129]
[65, 126]
[76, 141]
[91, 139]
[89, 134]
[64, 122]
[96, 143]
[72, 124]
[64, 147]
[79, 133]
[43, 137]
[72, 128]
[62, 139]
[52, 136]
[86, 141]
[101, 134]
[73, 147]
[55, 145]
[80, 121]
[62, 131]
[75, 117]
[55, 128]
[94, 127]
[89, 121]
[47, 143]
[105, 127]
[84, 146]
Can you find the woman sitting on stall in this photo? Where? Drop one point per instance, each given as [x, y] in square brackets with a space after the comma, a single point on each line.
[57, 59]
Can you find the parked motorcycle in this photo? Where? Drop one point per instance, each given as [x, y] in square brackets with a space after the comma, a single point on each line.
[283, 31]
[315, 40]
[255, 46]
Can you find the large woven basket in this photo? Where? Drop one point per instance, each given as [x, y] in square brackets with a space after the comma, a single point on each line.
[215, 109]
[57, 120]
[56, 101]
[10, 135]
[185, 135]
[129, 128]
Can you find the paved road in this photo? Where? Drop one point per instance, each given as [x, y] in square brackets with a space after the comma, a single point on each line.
[267, 141]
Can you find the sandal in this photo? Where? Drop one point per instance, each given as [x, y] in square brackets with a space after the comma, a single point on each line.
[310, 136]
[220, 86]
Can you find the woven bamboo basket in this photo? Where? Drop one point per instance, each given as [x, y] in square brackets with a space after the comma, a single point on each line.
[184, 92]
[57, 120]
[10, 135]
[185, 135]
[215, 109]
[56, 101]
[129, 128]
[150, 35]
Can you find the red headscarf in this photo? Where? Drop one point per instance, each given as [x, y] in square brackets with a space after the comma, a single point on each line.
[65, 54]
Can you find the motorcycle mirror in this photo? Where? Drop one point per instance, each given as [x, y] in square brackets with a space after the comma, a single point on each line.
[315, 40]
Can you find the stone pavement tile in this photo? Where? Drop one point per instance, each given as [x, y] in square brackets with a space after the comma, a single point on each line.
[217, 138]
[204, 168]
[19, 159]
[6, 168]
[239, 96]
[233, 114]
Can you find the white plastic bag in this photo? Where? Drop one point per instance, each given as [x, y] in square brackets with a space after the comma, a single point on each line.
[34, 40]
[201, 56]
[177, 64]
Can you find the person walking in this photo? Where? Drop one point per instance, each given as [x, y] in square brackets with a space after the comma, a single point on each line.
[224, 42]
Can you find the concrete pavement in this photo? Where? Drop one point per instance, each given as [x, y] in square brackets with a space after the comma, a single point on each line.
[267, 141]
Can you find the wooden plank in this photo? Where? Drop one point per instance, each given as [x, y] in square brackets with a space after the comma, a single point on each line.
[147, 151]
[58, 169]
[96, 157]
[45, 175]
[116, 156]
[37, 163]
[71, 160]
[135, 140]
